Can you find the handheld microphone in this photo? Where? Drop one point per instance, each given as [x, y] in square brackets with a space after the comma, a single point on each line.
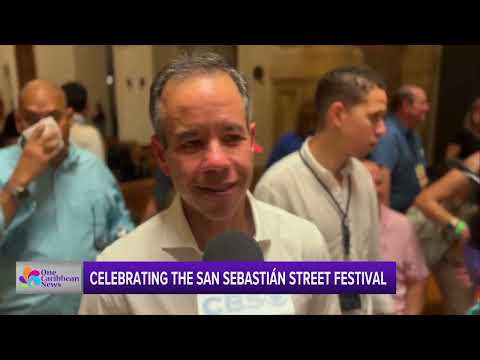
[459, 165]
[234, 247]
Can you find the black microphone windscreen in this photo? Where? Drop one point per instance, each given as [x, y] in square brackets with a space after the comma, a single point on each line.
[233, 246]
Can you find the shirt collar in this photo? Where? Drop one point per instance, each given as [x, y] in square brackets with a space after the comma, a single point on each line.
[398, 123]
[79, 118]
[320, 170]
[177, 233]
[72, 157]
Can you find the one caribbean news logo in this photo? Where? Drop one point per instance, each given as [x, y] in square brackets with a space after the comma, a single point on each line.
[30, 277]
[39, 277]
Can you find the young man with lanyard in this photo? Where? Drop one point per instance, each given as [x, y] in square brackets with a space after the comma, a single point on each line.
[325, 184]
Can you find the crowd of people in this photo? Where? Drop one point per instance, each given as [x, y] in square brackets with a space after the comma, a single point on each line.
[351, 183]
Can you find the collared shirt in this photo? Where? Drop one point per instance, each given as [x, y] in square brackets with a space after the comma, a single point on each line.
[163, 187]
[72, 213]
[291, 185]
[79, 119]
[168, 237]
[87, 136]
[399, 243]
[401, 151]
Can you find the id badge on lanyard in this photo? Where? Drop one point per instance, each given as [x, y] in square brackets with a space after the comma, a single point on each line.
[421, 175]
[348, 302]
[420, 171]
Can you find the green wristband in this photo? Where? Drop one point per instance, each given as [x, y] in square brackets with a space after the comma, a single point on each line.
[461, 226]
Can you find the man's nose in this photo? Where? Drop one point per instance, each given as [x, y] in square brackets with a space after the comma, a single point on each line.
[380, 128]
[216, 156]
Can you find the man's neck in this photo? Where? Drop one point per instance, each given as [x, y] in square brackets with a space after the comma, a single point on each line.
[327, 152]
[204, 229]
[80, 118]
[403, 121]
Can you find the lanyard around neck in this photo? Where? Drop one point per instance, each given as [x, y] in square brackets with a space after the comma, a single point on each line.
[343, 215]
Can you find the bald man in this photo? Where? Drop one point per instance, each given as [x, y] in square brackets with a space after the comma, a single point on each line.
[400, 152]
[56, 205]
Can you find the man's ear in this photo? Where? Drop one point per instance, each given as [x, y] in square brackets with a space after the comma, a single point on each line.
[19, 123]
[159, 150]
[253, 135]
[405, 105]
[336, 114]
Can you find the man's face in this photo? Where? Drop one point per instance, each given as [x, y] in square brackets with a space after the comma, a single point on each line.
[41, 104]
[363, 124]
[209, 150]
[377, 178]
[417, 111]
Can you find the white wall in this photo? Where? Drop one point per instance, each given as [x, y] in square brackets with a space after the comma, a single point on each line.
[162, 54]
[55, 63]
[87, 64]
[250, 56]
[91, 71]
[289, 63]
[133, 62]
[83, 63]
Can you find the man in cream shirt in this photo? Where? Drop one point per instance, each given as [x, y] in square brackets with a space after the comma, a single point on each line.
[325, 184]
[200, 109]
[83, 134]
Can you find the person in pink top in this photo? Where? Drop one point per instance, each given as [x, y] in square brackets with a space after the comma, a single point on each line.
[399, 243]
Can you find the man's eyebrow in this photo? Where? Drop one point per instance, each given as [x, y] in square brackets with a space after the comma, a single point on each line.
[184, 135]
[34, 113]
[379, 113]
[234, 127]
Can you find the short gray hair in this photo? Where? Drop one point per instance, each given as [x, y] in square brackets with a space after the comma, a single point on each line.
[184, 66]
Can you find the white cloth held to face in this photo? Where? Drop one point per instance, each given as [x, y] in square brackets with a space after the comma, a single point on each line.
[51, 126]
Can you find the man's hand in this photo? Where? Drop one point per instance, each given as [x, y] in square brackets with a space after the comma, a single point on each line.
[37, 153]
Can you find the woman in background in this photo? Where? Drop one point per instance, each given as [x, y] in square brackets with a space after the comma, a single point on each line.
[446, 190]
[467, 140]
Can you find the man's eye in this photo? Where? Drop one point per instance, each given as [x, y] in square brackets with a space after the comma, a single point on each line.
[192, 144]
[233, 139]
